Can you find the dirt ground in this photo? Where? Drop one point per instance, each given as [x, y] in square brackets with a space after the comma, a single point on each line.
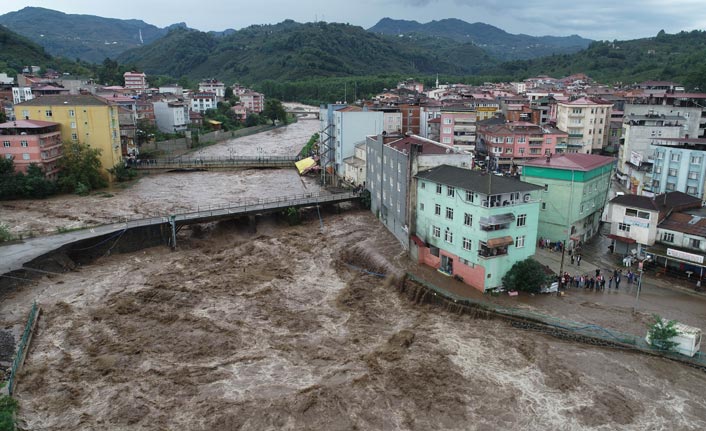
[280, 329]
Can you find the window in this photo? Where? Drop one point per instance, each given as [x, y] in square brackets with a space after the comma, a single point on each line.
[5, 144]
[508, 150]
[658, 170]
[438, 189]
[660, 156]
[672, 173]
[436, 231]
[72, 113]
[447, 120]
[437, 209]
[449, 213]
[544, 205]
[520, 241]
[546, 187]
[25, 114]
[424, 185]
[624, 227]
[48, 113]
[521, 139]
[521, 220]
[466, 244]
[421, 206]
[693, 175]
[74, 137]
[694, 243]
[675, 157]
[576, 111]
[508, 140]
[448, 236]
[446, 140]
[643, 215]
[671, 187]
[691, 190]
[469, 196]
[667, 237]
[25, 156]
[631, 212]
[447, 129]
[73, 124]
[468, 219]
[450, 191]
[24, 144]
[696, 160]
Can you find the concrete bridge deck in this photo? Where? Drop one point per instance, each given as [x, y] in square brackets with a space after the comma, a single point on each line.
[13, 257]
[215, 163]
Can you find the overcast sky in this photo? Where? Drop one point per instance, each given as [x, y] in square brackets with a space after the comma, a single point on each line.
[594, 19]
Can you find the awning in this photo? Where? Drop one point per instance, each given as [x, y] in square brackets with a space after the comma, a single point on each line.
[304, 165]
[497, 219]
[499, 242]
[621, 238]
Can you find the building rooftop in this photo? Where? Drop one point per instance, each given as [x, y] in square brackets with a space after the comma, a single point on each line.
[685, 223]
[27, 124]
[587, 101]
[636, 201]
[66, 99]
[427, 146]
[572, 161]
[476, 181]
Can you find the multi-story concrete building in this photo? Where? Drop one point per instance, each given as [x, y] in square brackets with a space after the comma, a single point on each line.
[679, 165]
[411, 117]
[87, 119]
[458, 127]
[574, 196]
[472, 225]
[253, 101]
[213, 86]
[136, 81]
[32, 141]
[202, 102]
[639, 131]
[586, 120]
[391, 163]
[171, 116]
[514, 143]
[633, 222]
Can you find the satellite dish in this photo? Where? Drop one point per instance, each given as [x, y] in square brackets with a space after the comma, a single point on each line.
[527, 197]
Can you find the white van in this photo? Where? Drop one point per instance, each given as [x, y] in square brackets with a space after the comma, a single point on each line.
[688, 341]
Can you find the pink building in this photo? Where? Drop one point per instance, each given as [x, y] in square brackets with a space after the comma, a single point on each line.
[253, 101]
[32, 141]
[516, 142]
[458, 127]
[136, 81]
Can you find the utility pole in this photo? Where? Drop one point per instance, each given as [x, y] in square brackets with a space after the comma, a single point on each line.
[639, 288]
[561, 265]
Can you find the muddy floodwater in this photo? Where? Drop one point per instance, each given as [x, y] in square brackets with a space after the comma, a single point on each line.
[287, 328]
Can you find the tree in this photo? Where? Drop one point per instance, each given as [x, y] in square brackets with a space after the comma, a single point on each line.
[80, 168]
[527, 276]
[274, 111]
[35, 183]
[661, 333]
[3, 116]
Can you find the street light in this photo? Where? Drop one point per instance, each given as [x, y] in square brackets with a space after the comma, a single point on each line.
[639, 287]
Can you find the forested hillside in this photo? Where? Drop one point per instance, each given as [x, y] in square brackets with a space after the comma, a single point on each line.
[677, 57]
[497, 42]
[293, 51]
[85, 37]
[17, 52]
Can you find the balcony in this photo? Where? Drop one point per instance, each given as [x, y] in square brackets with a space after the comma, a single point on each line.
[496, 222]
[575, 135]
[464, 128]
[495, 247]
[465, 138]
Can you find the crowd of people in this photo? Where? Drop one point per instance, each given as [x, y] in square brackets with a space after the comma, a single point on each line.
[599, 280]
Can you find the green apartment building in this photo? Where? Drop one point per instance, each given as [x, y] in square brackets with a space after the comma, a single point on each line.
[473, 225]
[574, 193]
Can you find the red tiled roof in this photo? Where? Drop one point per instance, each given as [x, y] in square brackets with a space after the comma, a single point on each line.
[435, 120]
[686, 223]
[573, 161]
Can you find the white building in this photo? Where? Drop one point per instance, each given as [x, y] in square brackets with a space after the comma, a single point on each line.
[171, 116]
[201, 102]
[6, 80]
[21, 94]
[213, 86]
[354, 167]
[633, 222]
[586, 120]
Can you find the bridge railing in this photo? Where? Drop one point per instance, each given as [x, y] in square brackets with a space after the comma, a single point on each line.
[212, 161]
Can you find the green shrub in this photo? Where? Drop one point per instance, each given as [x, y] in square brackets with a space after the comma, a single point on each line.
[661, 332]
[5, 234]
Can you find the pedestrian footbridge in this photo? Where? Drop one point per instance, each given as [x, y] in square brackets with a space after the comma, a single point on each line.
[197, 163]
